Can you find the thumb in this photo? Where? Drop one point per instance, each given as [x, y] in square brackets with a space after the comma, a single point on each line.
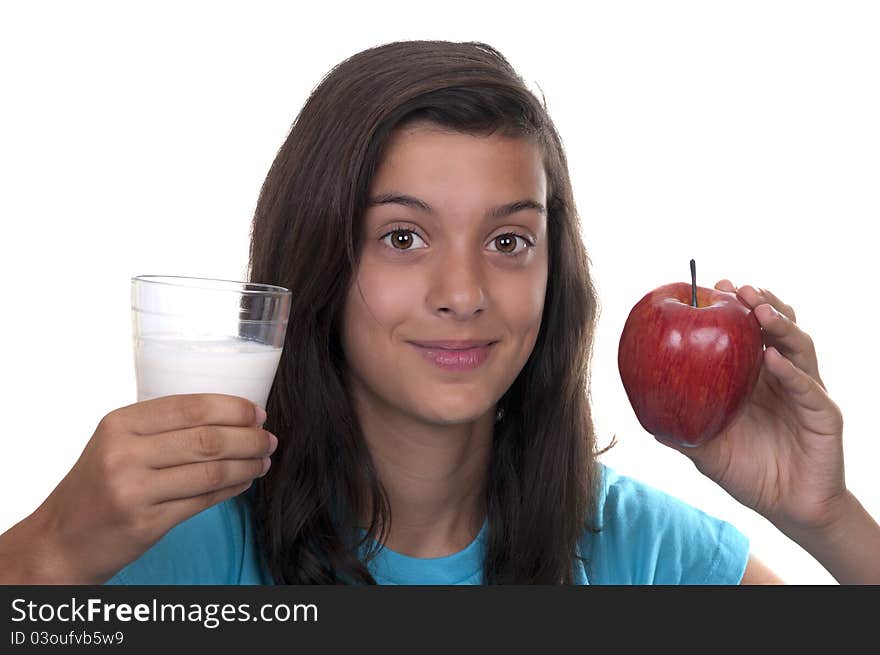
[814, 408]
[684, 450]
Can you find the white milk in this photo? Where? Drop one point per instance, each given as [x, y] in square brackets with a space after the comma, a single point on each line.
[167, 366]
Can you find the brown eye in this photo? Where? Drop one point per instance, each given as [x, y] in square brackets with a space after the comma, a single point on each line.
[506, 243]
[401, 239]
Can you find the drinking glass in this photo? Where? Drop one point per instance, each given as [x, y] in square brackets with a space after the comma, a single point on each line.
[202, 335]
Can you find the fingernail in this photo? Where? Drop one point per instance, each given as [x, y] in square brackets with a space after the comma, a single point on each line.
[261, 415]
[266, 464]
[273, 443]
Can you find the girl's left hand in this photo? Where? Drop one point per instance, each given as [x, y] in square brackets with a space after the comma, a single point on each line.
[783, 455]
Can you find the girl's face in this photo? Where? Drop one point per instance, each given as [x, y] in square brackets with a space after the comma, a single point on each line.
[448, 270]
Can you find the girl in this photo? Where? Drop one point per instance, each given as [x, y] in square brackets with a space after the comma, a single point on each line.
[431, 405]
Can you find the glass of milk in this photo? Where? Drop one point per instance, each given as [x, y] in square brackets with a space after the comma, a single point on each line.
[201, 335]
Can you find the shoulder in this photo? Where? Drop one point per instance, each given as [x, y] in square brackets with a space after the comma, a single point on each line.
[208, 548]
[648, 536]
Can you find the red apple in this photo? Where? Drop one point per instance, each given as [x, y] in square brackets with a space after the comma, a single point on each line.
[688, 371]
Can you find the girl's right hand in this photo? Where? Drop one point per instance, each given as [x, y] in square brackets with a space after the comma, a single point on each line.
[148, 467]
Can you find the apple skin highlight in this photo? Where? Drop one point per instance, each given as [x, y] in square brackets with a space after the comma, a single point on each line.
[688, 371]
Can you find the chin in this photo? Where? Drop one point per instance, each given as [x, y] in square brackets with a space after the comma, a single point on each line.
[463, 420]
[453, 414]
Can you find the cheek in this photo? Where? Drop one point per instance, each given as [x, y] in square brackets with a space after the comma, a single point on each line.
[522, 304]
[376, 304]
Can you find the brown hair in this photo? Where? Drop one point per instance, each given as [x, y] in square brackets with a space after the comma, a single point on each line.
[543, 474]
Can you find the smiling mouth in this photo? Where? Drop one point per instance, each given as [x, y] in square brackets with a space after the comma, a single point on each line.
[456, 359]
[452, 345]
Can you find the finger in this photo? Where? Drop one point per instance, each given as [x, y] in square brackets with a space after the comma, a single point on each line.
[790, 340]
[780, 329]
[669, 444]
[725, 285]
[189, 480]
[814, 408]
[784, 308]
[183, 411]
[174, 512]
[205, 443]
[757, 296]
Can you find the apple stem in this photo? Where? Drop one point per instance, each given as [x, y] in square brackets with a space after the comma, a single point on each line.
[693, 283]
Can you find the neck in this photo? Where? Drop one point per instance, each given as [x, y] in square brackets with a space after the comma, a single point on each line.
[434, 476]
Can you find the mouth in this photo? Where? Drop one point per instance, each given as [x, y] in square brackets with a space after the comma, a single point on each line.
[453, 345]
[459, 359]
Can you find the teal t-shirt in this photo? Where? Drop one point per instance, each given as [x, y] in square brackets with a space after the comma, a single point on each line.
[647, 537]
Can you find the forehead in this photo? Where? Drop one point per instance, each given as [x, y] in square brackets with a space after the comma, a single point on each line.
[425, 158]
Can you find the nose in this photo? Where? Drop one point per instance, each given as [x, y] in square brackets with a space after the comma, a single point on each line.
[458, 286]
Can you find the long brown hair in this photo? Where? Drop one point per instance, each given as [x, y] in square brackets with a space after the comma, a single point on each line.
[543, 476]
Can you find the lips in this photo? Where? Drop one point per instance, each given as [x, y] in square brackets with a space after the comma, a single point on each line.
[454, 345]
[467, 358]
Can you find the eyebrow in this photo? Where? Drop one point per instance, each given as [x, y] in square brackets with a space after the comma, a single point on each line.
[420, 205]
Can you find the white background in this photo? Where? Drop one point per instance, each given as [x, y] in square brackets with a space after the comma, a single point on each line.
[134, 140]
